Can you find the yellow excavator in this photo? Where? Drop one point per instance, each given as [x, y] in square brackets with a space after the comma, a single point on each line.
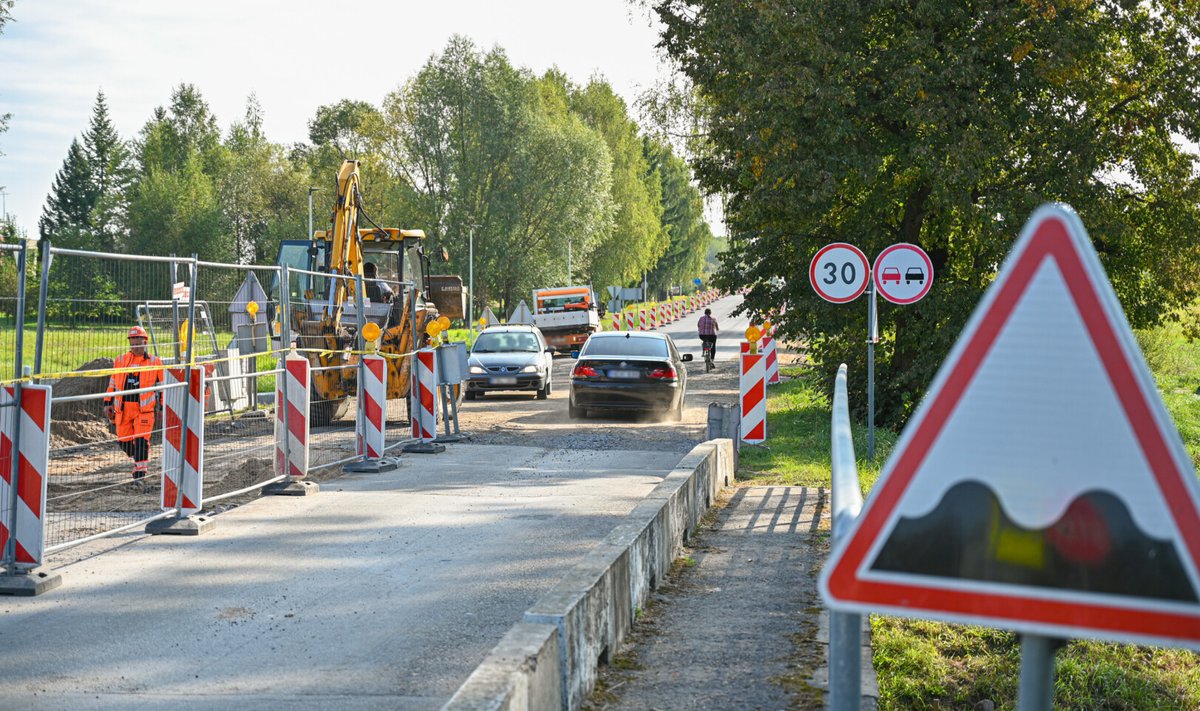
[324, 309]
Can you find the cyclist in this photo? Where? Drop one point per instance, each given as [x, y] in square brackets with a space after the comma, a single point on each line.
[708, 329]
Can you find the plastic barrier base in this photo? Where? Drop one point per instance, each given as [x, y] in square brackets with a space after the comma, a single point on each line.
[181, 526]
[28, 583]
[292, 488]
[424, 448]
[371, 466]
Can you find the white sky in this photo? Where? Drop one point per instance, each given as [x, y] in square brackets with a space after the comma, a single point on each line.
[295, 56]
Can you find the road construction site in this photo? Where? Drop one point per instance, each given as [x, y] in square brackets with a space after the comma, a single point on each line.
[383, 590]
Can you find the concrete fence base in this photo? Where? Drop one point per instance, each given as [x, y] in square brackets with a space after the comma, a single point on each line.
[550, 660]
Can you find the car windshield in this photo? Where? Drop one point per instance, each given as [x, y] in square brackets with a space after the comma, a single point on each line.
[523, 342]
[633, 346]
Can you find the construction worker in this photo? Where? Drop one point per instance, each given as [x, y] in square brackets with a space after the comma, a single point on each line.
[133, 413]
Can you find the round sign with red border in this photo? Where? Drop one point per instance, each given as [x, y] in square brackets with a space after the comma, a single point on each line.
[903, 273]
[839, 272]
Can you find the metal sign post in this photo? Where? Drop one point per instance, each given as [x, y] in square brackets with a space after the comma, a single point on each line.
[872, 339]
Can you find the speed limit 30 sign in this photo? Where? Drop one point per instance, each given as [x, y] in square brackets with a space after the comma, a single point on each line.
[839, 272]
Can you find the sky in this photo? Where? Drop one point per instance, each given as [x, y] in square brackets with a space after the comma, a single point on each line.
[294, 56]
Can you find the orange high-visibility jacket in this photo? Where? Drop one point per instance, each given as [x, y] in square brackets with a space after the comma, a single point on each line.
[134, 419]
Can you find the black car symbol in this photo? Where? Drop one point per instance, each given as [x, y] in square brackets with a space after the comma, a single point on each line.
[914, 274]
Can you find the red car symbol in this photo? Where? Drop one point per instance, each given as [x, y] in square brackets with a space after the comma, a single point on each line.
[891, 274]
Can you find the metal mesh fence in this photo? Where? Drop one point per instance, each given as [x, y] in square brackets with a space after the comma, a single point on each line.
[90, 302]
[240, 363]
[10, 255]
[333, 396]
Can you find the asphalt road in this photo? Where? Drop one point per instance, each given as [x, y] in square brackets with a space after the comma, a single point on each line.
[383, 591]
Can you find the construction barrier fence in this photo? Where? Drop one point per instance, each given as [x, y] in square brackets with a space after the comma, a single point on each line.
[198, 415]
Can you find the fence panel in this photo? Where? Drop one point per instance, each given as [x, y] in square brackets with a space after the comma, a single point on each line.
[90, 302]
[333, 393]
[234, 343]
[10, 256]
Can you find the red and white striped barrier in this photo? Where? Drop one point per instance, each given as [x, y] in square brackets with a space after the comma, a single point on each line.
[630, 321]
[772, 360]
[753, 399]
[175, 434]
[643, 318]
[370, 440]
[616, 321]
[424, 421]
[34, 452]
[295, 376]
[678, 309]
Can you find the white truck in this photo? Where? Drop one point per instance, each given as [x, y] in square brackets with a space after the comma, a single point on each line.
[566, 316]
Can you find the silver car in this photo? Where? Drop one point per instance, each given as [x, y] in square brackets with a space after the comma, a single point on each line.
[509, 358]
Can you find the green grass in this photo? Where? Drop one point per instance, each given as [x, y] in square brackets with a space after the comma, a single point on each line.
[931, 665]
[798, 450]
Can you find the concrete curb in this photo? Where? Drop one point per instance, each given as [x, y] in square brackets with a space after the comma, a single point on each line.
[550, 660]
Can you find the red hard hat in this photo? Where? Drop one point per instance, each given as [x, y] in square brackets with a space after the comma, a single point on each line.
[137, 332]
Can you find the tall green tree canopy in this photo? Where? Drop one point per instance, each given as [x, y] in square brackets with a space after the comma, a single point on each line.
[682, 218]
[636, 239]
[943, 125]
[175, 206]
[473, 142]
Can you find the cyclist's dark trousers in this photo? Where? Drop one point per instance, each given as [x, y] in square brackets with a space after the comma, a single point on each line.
[711, 342]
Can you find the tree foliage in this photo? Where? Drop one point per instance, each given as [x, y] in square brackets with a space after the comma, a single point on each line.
[682, 219]
[473, 142]
[943, 125]
[174, 206]
[636, 239]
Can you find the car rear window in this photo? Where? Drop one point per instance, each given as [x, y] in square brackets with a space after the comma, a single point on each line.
[650, 347]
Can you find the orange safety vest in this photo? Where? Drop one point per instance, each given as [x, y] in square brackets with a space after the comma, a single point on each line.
[134, 418]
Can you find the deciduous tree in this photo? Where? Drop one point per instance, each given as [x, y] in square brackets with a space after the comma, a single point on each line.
[944, 125]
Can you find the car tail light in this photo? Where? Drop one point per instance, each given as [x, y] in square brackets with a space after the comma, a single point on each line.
[584, 371]
[667, 373]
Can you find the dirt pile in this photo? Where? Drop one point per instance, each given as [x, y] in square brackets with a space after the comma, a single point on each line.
[84, 421]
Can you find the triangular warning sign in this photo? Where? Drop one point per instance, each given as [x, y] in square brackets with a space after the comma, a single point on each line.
[521, 315]
[489, 318]
[1041, 486]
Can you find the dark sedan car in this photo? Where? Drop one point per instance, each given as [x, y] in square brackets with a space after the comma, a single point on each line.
[509, 358]
[629, 371]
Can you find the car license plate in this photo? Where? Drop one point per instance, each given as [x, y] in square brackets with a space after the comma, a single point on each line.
[504, 380]
[625, 374]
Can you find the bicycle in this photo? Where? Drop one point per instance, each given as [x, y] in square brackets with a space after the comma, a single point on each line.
[709, 348]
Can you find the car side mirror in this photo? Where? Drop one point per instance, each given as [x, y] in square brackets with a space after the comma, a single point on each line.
[686, 357]
[575, 355]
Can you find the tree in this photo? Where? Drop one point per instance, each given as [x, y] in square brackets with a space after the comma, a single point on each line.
[636, 238]
[683, 219]
[174, 205]
[66, 218]
[470, 141]
[111, 175]
[262, 194]
[942, 125]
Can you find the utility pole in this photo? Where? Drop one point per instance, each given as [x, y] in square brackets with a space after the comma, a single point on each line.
[471, 279]
[569, 261]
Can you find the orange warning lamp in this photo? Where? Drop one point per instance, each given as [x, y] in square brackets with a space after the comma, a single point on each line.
[433, 328]
[371, 331]
[444, 323]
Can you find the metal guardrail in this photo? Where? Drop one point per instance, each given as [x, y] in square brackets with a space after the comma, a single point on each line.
[845, 629]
